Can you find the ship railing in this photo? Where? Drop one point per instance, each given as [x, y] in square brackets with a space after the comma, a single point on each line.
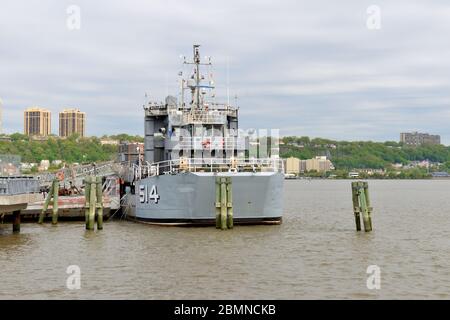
[231, 165]
[211, 106]
[210, 143]
[218, 111]
[205, 117]
[156, 112]
[230, 110]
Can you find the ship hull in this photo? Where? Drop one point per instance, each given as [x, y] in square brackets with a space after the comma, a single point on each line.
[189, 198]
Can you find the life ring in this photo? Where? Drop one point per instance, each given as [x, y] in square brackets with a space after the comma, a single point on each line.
[206, 144]
[60, 175]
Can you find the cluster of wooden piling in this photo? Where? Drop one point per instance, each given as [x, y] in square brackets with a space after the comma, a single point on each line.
[224, 203]
[52, 199]
[94, 202]
[361, 205]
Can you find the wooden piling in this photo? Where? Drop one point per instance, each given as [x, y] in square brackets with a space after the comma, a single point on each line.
[16, 221]
[87, 195]
[229, 204]
[356, 205]
[223, 203]
[55, 201]
[99, 204]
[364, 207]
[92, 204]
[361, 205]
[218, 221]
[46, 203]
[369, 208]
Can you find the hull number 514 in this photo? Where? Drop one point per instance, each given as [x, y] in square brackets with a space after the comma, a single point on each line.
[147, 194]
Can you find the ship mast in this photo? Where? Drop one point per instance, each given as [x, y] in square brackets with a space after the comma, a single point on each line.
[197, 73]
[195, 88]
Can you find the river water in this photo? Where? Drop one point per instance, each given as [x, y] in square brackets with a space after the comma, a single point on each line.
[315, 254]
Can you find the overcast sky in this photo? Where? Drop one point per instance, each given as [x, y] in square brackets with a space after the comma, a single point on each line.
[306, 67]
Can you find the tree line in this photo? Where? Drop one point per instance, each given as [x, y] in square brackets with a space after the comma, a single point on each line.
[347, 155]
[70, 150]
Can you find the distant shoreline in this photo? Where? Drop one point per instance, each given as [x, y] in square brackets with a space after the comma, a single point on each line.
[355, 179]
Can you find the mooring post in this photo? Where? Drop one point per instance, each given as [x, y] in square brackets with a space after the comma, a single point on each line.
[229, 204]
[16, 221]
[46, 203]
[99, 204]
[364, 191]
[369, 208]
[356, 205]
[87, 195]
[223, 203]
[92, 204]
[218, 221]
[55, 201]
[361, 205]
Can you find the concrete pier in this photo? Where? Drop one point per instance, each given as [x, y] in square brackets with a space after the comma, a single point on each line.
[15, 195]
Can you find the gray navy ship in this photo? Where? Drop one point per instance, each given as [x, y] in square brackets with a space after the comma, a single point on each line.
[193, 146]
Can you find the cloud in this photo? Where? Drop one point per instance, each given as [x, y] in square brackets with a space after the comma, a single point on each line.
[308, 68]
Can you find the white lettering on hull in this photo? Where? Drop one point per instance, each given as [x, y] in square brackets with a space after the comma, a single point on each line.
[147, 194]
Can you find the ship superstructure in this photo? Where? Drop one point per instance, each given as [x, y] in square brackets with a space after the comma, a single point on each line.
[190, 141]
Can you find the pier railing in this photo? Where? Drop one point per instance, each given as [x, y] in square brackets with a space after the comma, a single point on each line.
[232, 165]
[18, 185]
[77, 173]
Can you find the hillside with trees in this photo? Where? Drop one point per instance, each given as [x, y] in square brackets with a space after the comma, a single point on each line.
[347, 155]
[70, 150]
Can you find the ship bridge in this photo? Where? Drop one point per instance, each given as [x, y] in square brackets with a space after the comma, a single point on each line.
[200, 124]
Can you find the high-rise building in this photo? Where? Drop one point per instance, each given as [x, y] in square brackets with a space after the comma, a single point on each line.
[319, 164]
[292, 165]
[417, 138]
[296, 166]
[72, 121]
[37, 122]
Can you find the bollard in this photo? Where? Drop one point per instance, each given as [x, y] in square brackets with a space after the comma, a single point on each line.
[99, 204]
[16, 221]
[46, 203]
[364, 201]
[369, 208]
[55, 201]
[218, 221]
[92, 204]
[87, 195]
[356, 205]
[229, 204]
[361, 205]
[223, 203]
